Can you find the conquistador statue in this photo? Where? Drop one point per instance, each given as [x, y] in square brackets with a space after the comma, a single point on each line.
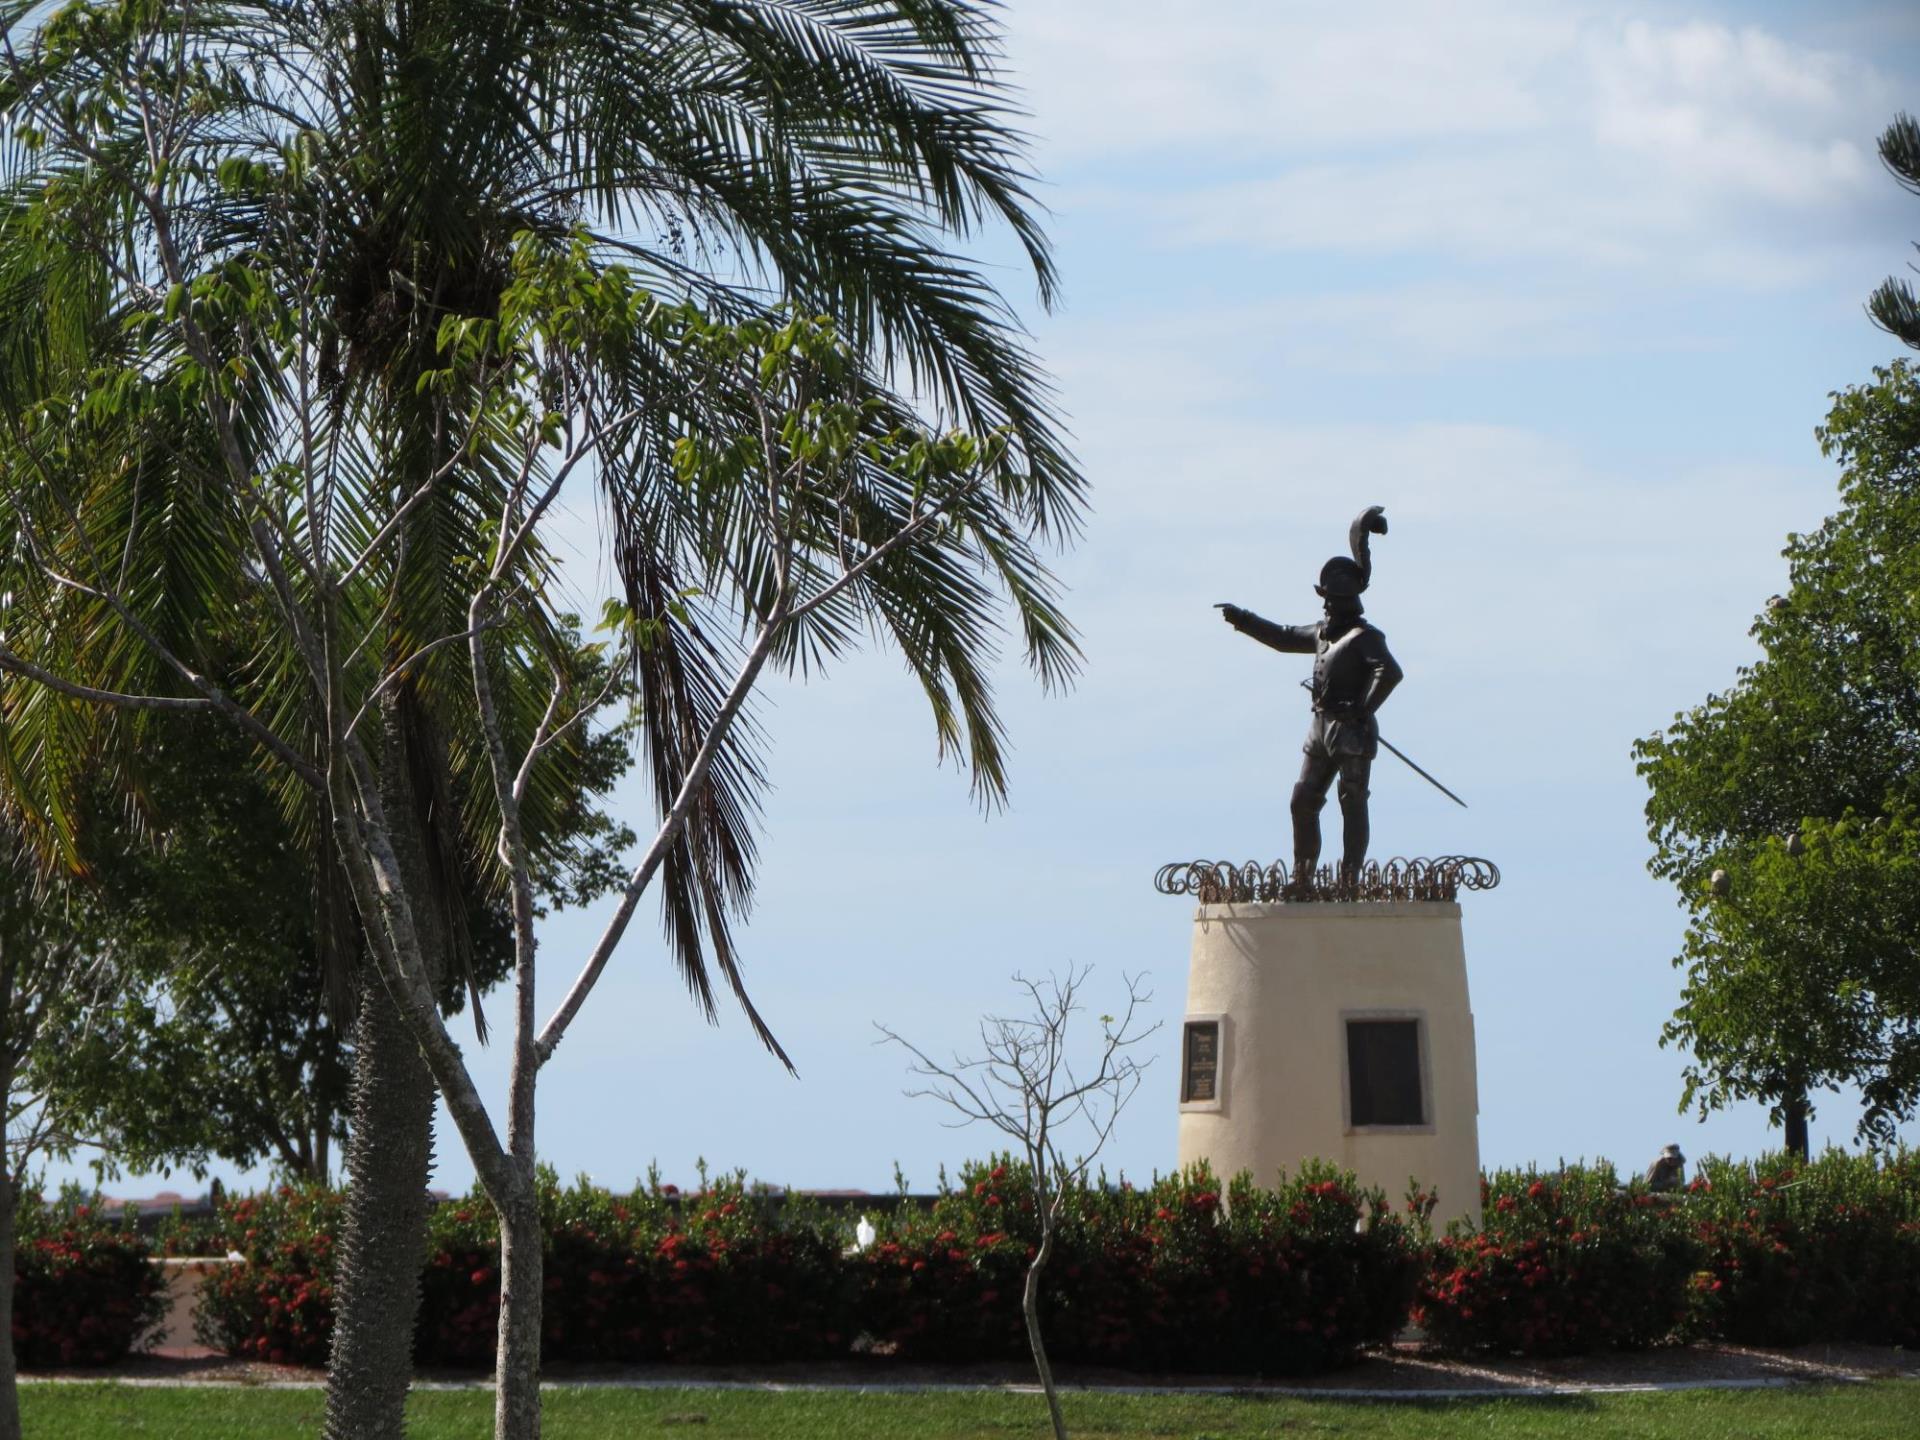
[1353, 673]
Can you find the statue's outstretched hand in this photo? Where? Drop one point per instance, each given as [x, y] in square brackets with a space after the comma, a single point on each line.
[1374, 518]
[1232, 614]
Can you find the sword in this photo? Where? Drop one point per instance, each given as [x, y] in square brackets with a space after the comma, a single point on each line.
[1407, 760]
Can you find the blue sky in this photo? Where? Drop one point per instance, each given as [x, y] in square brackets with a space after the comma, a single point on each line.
[1564, 287]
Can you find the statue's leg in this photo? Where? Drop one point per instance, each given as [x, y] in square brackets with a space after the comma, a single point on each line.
[1309, 798]
[1355, 771]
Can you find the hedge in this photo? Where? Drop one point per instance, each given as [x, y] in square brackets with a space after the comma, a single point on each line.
[278, 1306]
[1826, 1251]
[1157, 1277]
[1561, 1263]
[1175, 1275]
[84, 1292]
[1285, 1281]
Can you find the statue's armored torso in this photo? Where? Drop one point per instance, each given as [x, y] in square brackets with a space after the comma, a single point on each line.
[1344, 667]
[1345, 670]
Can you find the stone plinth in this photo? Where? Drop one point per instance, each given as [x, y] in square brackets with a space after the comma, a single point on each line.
[1279, 994]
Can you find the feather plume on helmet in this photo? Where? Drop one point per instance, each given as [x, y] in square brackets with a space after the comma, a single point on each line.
[1342, 578]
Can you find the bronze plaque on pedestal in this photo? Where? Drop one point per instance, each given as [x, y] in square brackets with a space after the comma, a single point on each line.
[1200, 1069]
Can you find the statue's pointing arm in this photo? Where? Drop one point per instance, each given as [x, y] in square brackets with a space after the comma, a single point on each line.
[1294, 639]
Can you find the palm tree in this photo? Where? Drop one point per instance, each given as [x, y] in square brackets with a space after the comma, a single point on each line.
[1893, 306]
[280, 220]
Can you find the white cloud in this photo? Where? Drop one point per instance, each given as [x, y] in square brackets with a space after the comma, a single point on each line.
[1740, 111]
[1391, 330]
[1107, 77]
[1488, 130]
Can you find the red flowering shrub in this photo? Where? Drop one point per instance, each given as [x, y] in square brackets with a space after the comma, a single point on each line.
[1278, 1281]
[84, 1293]
[1317, 1268]
[727, 1273]
[945, 1284]
[1562, 1263]
[279, 1305]
[1826, 1251]
[1283, 1281]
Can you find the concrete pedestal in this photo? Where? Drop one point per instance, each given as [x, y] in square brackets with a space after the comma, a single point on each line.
[1276, 992]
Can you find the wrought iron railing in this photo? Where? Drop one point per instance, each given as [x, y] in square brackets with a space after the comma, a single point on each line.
[1221, 882]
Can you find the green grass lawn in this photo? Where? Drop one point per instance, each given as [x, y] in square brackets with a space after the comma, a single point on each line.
[1868, 1412]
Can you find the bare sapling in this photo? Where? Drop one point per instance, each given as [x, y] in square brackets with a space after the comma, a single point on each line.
[1026, 1084]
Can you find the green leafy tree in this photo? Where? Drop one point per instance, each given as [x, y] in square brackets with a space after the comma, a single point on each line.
[48, 962]
[328, 303]
[1783, 808]
[223, 1035]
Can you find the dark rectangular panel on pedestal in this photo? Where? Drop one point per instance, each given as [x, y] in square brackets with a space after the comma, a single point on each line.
[1200, 1064]
[1383, 1073]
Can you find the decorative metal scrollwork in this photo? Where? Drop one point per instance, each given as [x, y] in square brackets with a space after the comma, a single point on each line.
[1221, 882]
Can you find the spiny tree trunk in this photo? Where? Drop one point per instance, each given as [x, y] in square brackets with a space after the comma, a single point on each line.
[388, 1161]
[383, 1238]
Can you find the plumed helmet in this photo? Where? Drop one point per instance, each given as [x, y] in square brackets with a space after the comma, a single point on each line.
[1341, 579]
[1344, 579]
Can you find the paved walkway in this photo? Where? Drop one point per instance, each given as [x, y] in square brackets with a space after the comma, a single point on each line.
[1252, 1392]
[1405, 1373]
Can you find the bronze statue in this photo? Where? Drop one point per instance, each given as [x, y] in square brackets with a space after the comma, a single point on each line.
[1353, 673]
[1668, 1171]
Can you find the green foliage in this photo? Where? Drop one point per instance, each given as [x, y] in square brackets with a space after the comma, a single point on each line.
[1772, 1252]
[1562, 1263]
[1893, 306]
[1801, 1252]
[1289, 1280]
[389, 268]
[1150, 1278]
[1176, 1275]
[218, 1036]
[1799, 782]
[84, 1292]
[728, 1273]
[278, 1305]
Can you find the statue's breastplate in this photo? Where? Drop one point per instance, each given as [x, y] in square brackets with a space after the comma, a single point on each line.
[1340, 670]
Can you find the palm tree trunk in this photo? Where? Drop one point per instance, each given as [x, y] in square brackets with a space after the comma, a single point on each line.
[388, 1161]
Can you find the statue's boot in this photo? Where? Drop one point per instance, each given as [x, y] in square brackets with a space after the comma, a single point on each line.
[1306, 853]
[1354, 834]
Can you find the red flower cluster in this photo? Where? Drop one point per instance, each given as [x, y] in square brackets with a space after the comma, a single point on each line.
[83, 1290]
[1828, 1251]
[279, 1305]
[1774, 1253]
[719, 1275]
[1278, 1281]
[1562, 1264]
[1178, 1274]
